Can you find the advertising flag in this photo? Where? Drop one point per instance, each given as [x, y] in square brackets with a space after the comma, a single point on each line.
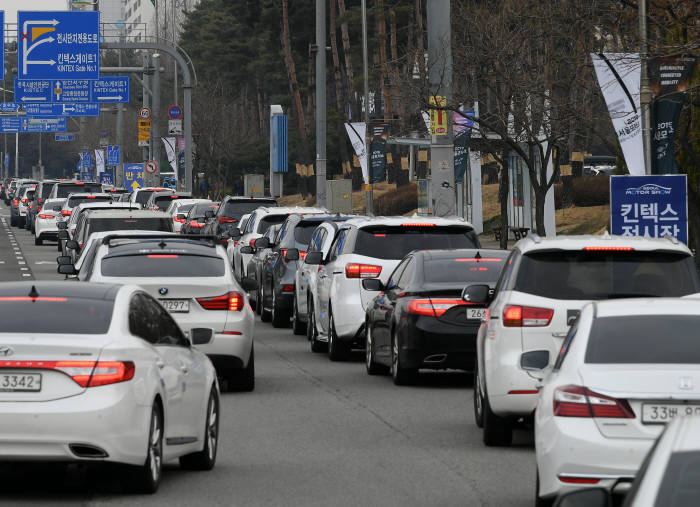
[170, 144]
[357, 132]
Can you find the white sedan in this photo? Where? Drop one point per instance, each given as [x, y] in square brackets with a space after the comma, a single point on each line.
[102, 373]
[46, 220]
[625, 369]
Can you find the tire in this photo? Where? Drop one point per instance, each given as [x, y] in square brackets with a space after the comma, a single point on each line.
[280, 317]
[13, 221]
[59, 246]
[337, 351]
[265, 315]
[498, 431]
[33, 228]
[478, 398]
[206, 458]
[258, 300]
[400, 375]
[542, 502]
[243, 380]
[298, 327]
[20, 222]
[372, 367]
[312, 333]
[146, 478]
[38, 241]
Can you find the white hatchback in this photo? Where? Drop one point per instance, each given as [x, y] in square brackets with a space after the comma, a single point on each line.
[625, 369]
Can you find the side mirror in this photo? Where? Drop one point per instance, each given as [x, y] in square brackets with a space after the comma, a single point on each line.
[247, 249]
[262, 243]
[589, 497]
[477, 294]
[72, 244]
[314, 258]
[372, 284]
[62, 234]
[66, 269]
[64, 259]
[249, 284]
[57, 208]
[209, 214]
[62, 226]
[535, 360]
[292, 254]
[200, 335]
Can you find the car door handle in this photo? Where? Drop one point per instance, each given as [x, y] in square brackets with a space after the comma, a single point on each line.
[559, 335]
[160, 364]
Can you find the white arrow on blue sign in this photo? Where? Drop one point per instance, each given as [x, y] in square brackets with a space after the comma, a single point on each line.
[62, 109]
[108, 89]
[32, 124]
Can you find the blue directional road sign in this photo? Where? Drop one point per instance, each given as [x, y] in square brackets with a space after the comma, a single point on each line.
[133, 176]
[86, 160]
[111, 89]
[62, 109]
[106, 178]
[64, 137]
[32, 124]
[87, 176]
[58, 44]
[113, 155]
[2, 44]
[9, 107]
[108, 89]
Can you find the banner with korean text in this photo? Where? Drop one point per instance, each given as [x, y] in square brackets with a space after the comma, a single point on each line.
[651, 206]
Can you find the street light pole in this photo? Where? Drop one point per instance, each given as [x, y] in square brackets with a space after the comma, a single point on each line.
[320, 103]
[645, 88]
[369, 204]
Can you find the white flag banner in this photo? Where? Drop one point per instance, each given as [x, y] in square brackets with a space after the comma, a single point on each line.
[170, 144]
[100, 162]
[358, 133]
[426, 119]
[619, 76]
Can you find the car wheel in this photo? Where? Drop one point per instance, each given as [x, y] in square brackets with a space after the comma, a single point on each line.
[146, 478]
[298, 327]
[498, 431]
[265, 315]
[312, 331]
[337, 350]
[38, 241]
[400, 375]
[258, 300]
[20, 222]
[373, 368]
[478, 399]
[13, 221]
[243, 380]
[206, 458]
[539, 501]
[279, 316]
[33, 228]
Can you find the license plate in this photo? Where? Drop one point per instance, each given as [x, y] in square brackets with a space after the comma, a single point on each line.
[476, 313]
[661, 413]
[176, 305]
[20, 382]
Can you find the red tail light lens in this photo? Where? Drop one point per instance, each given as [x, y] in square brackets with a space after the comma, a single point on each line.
[302, 254]
[179, 220]
[24, 201]
[16, 202]
[232, 301]
[227, 220]
[46, 216]
[608, 249]
[418, 224]
[578, 401]
[84, 373]
[251, 243]
[66, 212]
[195, 224]
[433, 307]
[578, 480]
[289, 288]
[91, 197]
[362, 271]
[526, 316]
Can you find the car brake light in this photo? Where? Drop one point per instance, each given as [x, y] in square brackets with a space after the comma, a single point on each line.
[66, 212]
[91, 197]
[79, 183]
[479, 260]
[227, 220]
[526, 316]
[44, 216]
[578, 480]
[608, 249]
[289, 288]
[174, 196]
[24, 200]
[232, 301]
[84, 373]
[163, 256]
[362, 271]
[251, 243]
[195, 224]
[302, 254]
[418, 224]
[16, 202]
[179, 220]
[578, 401]
[433, 307]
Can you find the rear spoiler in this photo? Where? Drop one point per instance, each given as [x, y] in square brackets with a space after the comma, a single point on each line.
[166, 236]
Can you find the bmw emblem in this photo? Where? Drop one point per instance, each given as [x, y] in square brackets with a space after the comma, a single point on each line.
[163, 291]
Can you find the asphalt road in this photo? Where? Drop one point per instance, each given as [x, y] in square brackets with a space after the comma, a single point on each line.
[313, 433]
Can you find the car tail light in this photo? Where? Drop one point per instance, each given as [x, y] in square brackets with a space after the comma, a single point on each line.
[526, 316]
[433, 307]
[418, 224]
[195, 224]
[16, 202]
[84, 373]
[251, 243]
[90, 197]
[362, 271]
[47, 217]
[179, 220]
[578, 480]
[232, 301]
[79, 183]
[289, 288]
[235, 333]
[66, 212]
[24, 201]
[227, 220]
[163, 256]
[482, 259]
[608, 249]
[578, 401]
[302, 254]
[174, 196]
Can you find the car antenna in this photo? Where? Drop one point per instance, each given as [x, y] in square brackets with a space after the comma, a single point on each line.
[477, 256]
[33, 293]
[162, 244]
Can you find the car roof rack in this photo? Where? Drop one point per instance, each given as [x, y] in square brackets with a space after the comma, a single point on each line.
[206, 240]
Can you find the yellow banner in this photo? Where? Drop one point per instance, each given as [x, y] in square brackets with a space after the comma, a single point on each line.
[438, 117]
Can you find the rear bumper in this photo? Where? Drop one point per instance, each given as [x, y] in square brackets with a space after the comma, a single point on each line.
[429, 343]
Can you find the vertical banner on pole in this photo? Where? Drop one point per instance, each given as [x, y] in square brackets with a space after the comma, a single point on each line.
[99, 162]
[379, 133]
[357, 133]
[462, 129]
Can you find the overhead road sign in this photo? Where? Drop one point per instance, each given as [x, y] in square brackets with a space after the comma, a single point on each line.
[12, 124]
[58, 44]
[113, 155]
[62, 109]
[106, 90]
[64, 137]
[133, 176]
[9, 107]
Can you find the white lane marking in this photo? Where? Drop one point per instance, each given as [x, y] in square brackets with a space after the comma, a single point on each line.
[26, 274]
[44, 262]
[24, 269]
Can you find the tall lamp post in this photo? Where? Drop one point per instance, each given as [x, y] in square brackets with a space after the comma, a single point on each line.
[369, 204]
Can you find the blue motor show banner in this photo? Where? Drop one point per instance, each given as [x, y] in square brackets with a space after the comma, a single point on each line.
[652, 206]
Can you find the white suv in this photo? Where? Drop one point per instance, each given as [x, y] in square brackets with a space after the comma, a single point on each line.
[540, 293]
[368, 248]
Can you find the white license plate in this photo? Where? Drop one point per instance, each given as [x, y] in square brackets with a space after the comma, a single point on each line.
[665, 412]
[176, 305]
[20, 382]
[476, 313]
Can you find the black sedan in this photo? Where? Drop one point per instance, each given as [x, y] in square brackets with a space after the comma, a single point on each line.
[419, 319]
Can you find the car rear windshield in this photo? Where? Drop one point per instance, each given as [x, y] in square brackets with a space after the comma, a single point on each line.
[160, 265]
[163, 201]
[130, 224]
[143, 196]
[64, 190]
[182, 210]
[199, 210]
[30, 194]
[645, 339]
[463, 269]
[74, 201]
[55, 315]
[303, 232]
[606, 274]
[395, 242]
[236, 209]
[46, 189]
[268, 221]
[680, 486]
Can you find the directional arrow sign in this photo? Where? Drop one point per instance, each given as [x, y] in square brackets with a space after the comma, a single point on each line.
[32, 124]
[133, 176]
[109, 89]
[9, 107]
[62, 109]
[33, 91]
[58, 44]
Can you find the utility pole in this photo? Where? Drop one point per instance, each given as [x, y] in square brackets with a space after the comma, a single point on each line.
[645, 88]
[369, 197]
[321, 102]
[146, 154]
[155, 117]
[119, 171]
[41, 165]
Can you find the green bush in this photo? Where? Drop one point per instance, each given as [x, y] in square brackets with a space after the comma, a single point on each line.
[397, 202]
[592, 191]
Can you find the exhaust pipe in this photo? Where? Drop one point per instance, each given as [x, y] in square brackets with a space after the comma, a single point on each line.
[87, 451]
[436, 358]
